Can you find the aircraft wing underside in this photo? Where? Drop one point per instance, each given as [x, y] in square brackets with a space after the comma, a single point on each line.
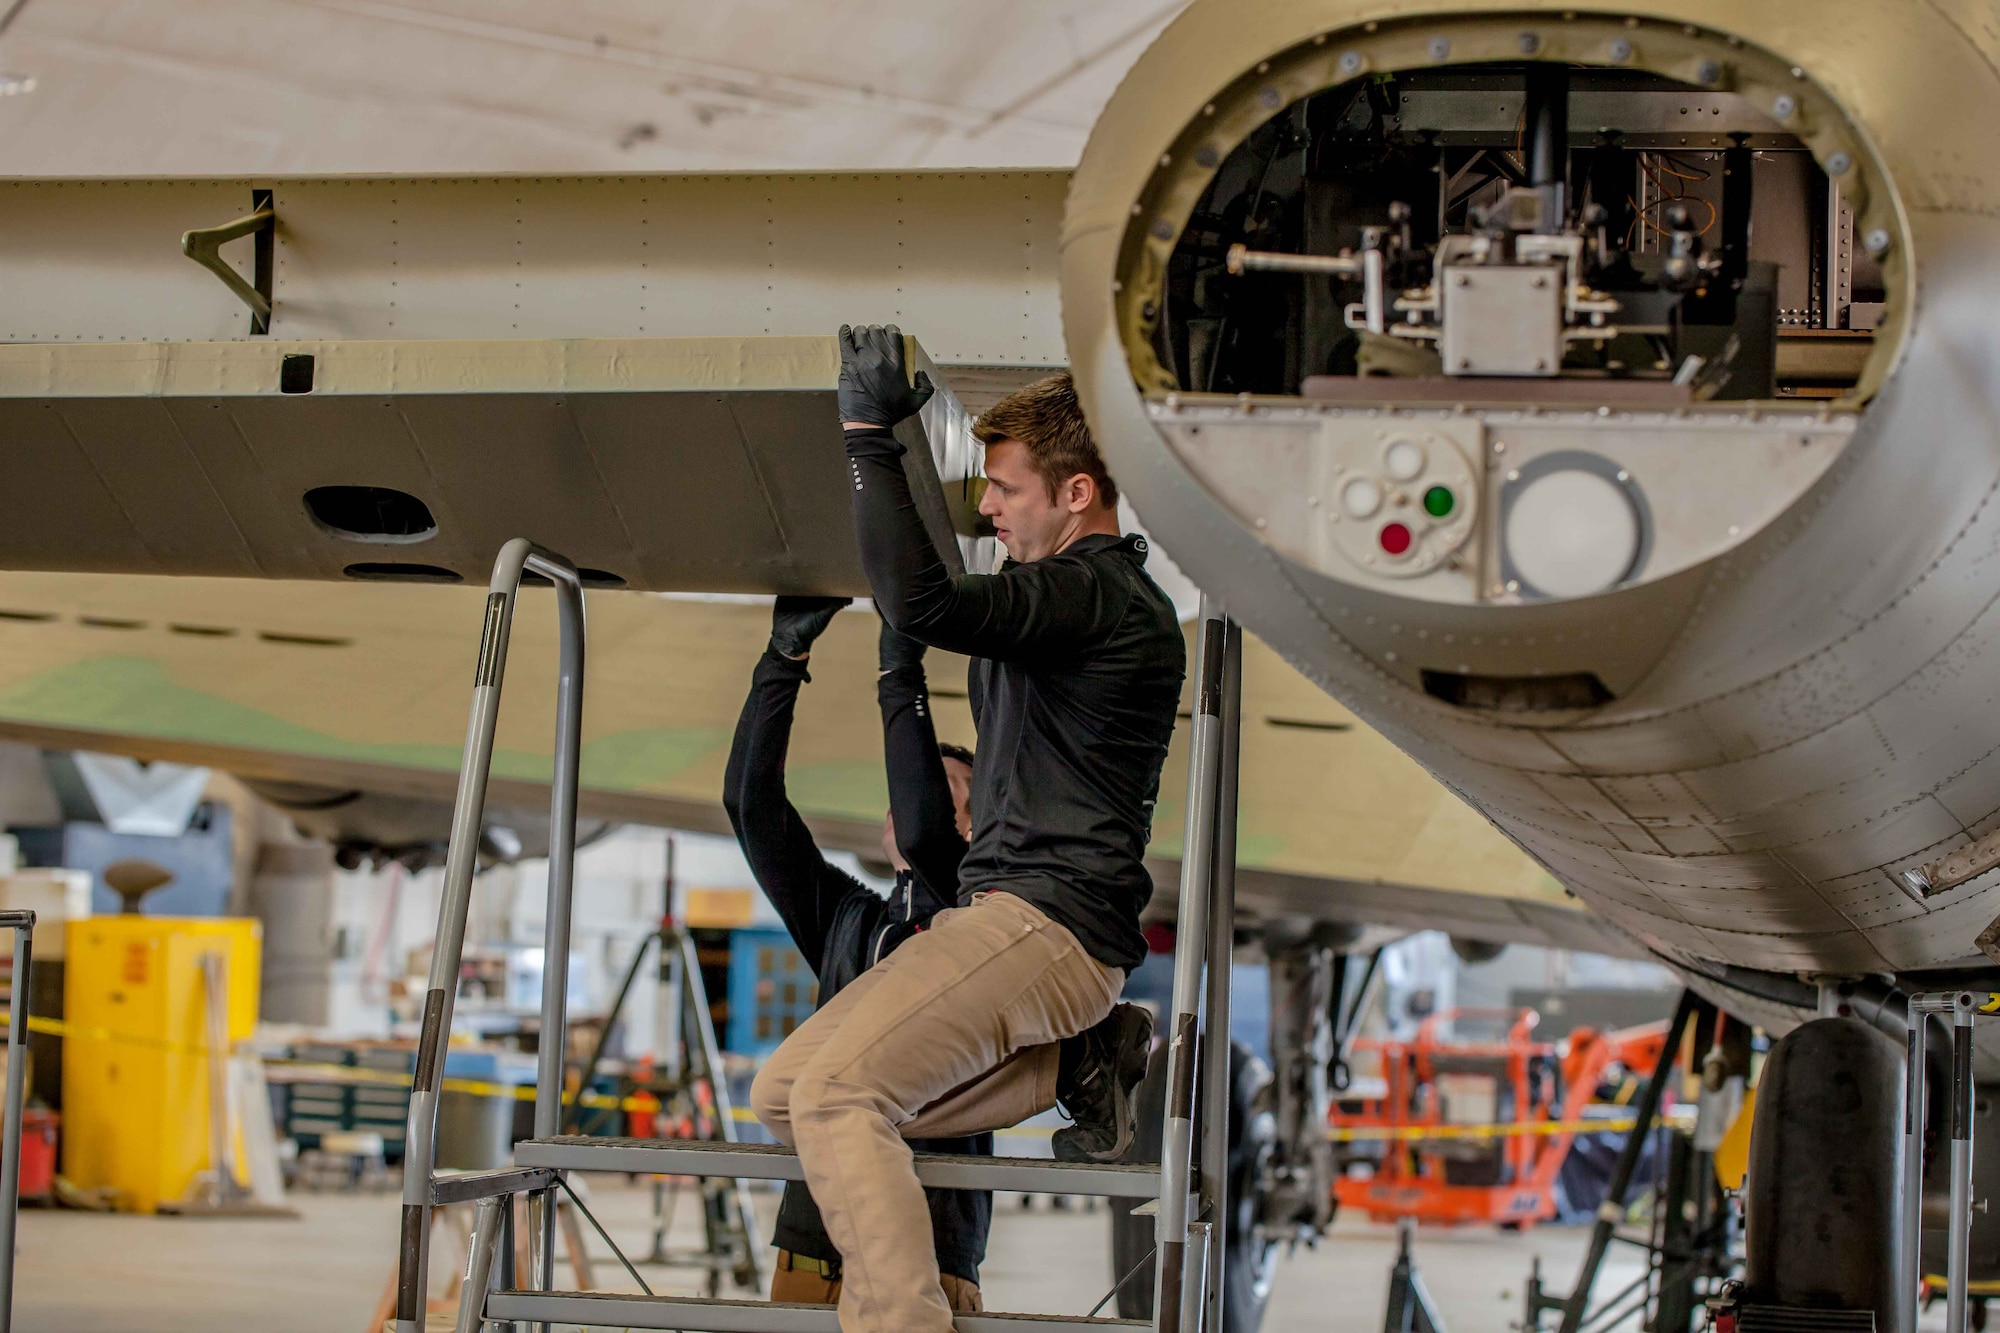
[338, 691]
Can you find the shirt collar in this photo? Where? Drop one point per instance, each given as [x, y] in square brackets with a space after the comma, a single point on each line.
[1105, 541]
[1091, 545]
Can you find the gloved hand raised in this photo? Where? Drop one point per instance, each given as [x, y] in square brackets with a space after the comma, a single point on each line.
[897, 650]
[875, 387]
[797, 621]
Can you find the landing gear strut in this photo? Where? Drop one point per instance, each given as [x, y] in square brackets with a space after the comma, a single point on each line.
[1295, 1181]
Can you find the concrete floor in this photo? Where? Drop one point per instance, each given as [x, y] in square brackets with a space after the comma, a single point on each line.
[96, 1273]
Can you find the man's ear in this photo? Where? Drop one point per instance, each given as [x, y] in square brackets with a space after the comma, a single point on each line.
[1080, 493]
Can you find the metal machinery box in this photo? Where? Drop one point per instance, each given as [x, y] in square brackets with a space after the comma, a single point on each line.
[310, 1109]
[135, 1076]
[200, 860]
[1501, 319]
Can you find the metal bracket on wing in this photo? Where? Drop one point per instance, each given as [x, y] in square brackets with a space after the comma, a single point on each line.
[204, 247]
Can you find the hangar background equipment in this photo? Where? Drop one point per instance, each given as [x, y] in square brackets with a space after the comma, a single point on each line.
[1705, 648]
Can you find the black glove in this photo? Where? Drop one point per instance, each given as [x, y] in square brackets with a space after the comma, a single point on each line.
[875, 385]
[797, 621]
[897, 651]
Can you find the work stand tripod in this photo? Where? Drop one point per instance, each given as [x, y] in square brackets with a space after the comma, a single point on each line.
[691, 1088]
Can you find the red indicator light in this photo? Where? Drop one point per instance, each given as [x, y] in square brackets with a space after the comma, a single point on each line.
[1395, 538]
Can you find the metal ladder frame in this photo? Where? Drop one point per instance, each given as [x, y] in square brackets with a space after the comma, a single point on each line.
[422, 1189]
[1192, 1248]
[22, 922]
[1963, 1007]
[1192, 1251]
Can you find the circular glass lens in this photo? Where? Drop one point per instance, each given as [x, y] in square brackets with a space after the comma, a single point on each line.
[1439, 501]
[1571, 533]
[1404, 460]
[1361, 497]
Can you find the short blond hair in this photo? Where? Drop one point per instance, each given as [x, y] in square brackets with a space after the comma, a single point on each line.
[1047, 419]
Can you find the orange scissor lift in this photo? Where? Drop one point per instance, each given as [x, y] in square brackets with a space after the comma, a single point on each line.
[1476, 1131]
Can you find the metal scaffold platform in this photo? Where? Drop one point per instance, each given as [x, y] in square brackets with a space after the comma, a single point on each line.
[1190, 1212]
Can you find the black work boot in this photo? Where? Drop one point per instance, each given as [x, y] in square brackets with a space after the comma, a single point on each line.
[1100, 1071]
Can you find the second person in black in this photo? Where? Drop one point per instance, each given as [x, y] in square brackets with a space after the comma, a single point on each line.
[842, 927]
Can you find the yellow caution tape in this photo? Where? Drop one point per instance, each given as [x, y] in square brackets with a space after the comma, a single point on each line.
[56, 1027]
[354, 1074]
[525, 1092]
[1410, 1133]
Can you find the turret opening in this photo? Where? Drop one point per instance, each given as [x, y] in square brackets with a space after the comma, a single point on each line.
[1523, 232]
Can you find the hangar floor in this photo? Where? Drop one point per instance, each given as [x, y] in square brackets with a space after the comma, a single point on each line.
[97, 1273]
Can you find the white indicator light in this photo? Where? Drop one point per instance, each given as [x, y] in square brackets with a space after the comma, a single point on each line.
[1361, 497]
[1404, 460]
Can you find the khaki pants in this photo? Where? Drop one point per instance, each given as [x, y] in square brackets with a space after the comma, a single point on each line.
[797, 1286]
[952, 1034]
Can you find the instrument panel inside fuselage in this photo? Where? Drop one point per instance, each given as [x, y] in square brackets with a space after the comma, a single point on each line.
[1526, 233]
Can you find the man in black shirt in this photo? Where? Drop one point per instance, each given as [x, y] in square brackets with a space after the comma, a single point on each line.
[1078, 663]
[842, 927]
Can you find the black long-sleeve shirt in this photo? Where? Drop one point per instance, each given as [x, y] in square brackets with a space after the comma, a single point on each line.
[841, 926]
[1078, 663]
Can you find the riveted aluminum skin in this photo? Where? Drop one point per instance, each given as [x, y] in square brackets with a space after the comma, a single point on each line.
[1801, 712]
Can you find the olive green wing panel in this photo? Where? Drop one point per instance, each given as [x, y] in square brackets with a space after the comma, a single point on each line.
[366, 687]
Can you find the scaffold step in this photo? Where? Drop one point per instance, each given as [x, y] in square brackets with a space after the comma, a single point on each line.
[598, 1309]
[758, 1161]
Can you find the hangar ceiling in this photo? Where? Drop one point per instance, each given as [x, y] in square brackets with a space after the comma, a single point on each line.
[135, 87]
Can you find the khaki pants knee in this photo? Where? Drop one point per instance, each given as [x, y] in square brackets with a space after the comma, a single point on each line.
[954, 1033]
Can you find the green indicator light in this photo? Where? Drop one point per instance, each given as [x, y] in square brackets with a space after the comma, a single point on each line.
[1439, 501]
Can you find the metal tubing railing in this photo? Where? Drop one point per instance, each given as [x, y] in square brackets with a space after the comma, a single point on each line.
[1217, 1085]
[1190, 937]
[1909, 1268]
[1958, 1252]
[1964, 1008]
[550, 1041]
[487, 1235]
[461, 860]
[23, 925]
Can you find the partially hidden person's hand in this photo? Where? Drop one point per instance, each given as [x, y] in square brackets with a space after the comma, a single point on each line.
[875, 387]
[898, 650]
[797, 621]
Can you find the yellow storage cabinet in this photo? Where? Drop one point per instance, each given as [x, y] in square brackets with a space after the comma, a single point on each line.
[135, 1080]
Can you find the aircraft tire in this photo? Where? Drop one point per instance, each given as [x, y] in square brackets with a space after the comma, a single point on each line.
[1821, 1195]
